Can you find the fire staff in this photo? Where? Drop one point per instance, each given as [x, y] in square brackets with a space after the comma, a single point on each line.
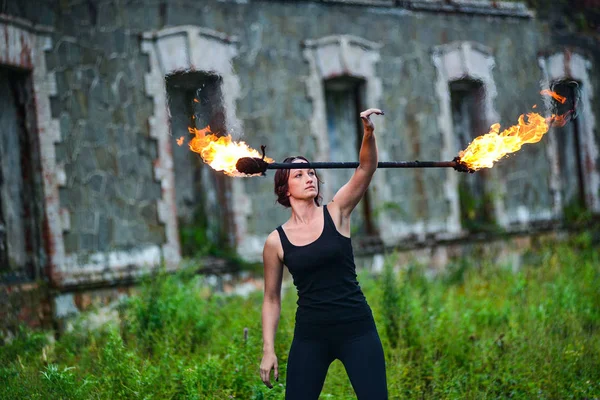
[333, 318]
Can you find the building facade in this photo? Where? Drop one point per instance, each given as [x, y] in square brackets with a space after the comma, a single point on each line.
[98, 96]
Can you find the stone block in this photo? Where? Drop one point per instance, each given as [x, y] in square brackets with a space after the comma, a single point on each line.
[106, 160]
[89, 56]
[88, 242]
[96, 183]
[64, 306]
[97, 135]
[148, 148]
[105, 229]
[109, 15]
[61, 153]
[128, 162]
[121, 40]
[121, 91]
[119, 115]
[77, 104]
[84, 221]
[109, 188]
[99, 95]
[123, 138]
[124, 235]
[148, 191]
[132, 116]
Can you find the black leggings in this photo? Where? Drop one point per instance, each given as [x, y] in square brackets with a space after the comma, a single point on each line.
[356, 345]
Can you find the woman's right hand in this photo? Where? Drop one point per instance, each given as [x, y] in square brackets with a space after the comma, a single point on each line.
[366, 118]
[269, 362]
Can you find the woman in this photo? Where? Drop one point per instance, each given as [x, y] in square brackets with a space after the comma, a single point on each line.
[333, 319]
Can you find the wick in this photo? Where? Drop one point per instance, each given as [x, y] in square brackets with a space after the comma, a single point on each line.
[262, 148]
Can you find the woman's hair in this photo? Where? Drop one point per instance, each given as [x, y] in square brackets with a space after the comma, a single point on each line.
[281, 183]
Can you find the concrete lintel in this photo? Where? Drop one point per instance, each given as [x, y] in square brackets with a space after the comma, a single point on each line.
[461, 45]
[381, 3]
[472, 7]
[182, 29]
[25, 24]
[339, 40]
[485, 8]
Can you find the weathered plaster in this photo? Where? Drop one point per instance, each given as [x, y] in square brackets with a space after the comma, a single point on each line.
[113, 266]
[454, 61]
[568, 65]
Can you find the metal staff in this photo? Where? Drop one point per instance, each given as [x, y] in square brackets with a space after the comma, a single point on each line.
[254, 165]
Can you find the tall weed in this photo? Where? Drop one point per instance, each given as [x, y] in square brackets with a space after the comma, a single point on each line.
[481, 330]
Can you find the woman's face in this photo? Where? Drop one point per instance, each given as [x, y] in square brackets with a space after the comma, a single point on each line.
[302, 183]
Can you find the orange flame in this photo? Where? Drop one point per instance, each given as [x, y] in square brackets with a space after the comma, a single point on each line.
[180, 141]
[221, 153]
[485, 150]
[555, 96]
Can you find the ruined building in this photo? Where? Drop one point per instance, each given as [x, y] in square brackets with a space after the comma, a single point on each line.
[96, 97]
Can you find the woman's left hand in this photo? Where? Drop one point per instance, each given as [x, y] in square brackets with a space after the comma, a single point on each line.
[365, 116]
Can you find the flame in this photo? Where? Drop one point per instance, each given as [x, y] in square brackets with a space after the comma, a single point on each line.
[485, 150]
[560, 120]
[555, 96]
[221, 153]
[180, 141]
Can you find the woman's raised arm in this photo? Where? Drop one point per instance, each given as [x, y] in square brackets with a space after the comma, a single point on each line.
[350, 194]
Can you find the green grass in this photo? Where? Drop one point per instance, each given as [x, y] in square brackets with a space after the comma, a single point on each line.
[478, 331]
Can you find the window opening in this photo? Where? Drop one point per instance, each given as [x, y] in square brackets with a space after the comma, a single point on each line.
[21, 250]
[468, 118]
[568, 140]
[343, 99]
[202, 194]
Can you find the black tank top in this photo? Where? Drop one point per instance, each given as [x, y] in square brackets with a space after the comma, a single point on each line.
[325, 276]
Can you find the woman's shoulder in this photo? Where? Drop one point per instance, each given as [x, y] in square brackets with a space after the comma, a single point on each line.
[273, 239]
[273, 245]
[273, 235]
